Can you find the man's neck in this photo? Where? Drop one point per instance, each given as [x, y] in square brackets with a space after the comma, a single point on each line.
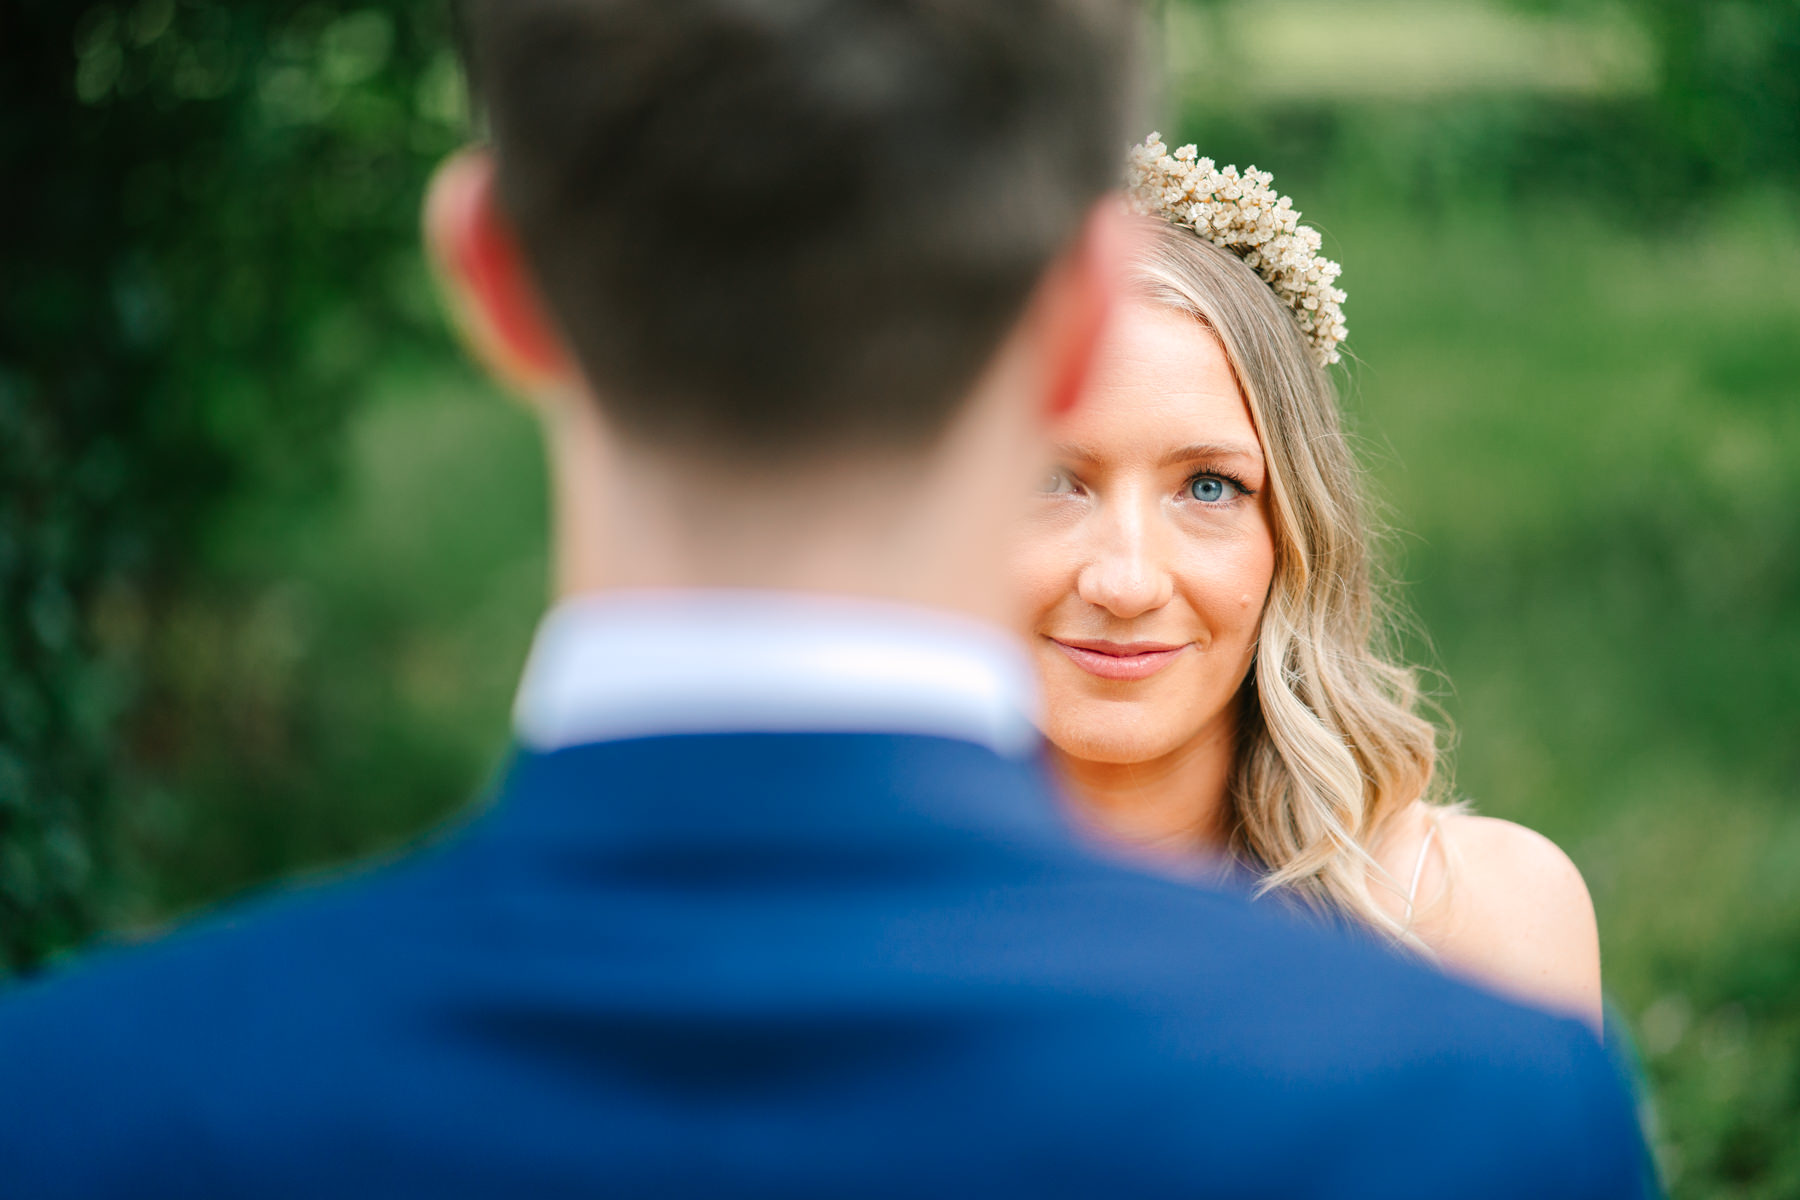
[929, 530]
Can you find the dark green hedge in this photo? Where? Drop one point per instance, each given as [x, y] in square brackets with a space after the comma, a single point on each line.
[207, 222]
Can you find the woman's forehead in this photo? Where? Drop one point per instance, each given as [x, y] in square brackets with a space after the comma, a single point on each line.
[1161, 382]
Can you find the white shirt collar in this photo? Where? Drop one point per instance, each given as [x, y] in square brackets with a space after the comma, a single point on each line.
[643, 663]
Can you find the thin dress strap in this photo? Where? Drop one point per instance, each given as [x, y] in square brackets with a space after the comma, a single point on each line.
[1412, 891]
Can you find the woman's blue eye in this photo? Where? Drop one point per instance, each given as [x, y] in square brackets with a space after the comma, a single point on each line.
[1211, 489]
[1055, 481]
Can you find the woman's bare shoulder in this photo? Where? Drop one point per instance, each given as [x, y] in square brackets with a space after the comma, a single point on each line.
[1504, 906]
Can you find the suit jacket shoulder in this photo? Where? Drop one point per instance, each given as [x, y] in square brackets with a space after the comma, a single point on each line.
[785, 965]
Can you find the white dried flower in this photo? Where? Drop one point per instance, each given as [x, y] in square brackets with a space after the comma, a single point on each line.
[1241, 212]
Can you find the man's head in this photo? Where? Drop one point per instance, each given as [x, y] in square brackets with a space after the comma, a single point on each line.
[788, 229]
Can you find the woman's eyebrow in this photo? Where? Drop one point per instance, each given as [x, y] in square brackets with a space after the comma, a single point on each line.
[1077, 452]
[1212, 450]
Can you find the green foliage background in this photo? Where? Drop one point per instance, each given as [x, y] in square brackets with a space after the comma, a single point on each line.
[270, 554]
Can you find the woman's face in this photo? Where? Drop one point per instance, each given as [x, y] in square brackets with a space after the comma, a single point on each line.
[1148, 555]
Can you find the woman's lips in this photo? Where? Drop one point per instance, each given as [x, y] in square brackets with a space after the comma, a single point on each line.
[1120, 660]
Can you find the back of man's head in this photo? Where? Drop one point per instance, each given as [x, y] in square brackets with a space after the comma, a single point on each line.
[794, 226]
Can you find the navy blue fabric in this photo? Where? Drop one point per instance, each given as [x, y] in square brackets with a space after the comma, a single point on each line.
[783, 966]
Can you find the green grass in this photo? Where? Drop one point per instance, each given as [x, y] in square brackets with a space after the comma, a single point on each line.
[1587, 439]
[1590, 442]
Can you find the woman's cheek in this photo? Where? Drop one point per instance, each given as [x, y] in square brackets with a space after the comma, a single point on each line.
[1042, 573]
[1225, 585]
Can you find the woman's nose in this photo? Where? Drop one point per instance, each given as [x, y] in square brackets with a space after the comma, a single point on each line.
[1125, 574]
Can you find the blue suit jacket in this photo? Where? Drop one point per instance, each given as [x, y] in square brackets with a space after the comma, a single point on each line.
[784, 966]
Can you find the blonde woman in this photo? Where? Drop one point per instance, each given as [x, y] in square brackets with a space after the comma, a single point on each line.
[1202, 616]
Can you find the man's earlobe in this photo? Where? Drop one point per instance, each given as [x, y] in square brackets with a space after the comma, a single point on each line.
[486, 283]
[1081, 294]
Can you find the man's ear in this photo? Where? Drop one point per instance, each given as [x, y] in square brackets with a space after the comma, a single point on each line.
[490, 292]
[1076, 300]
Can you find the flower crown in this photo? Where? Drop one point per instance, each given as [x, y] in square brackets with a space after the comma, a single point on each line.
[1243, 214]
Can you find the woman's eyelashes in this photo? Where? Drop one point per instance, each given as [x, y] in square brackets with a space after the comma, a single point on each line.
[1214, 487]
[1207, 487]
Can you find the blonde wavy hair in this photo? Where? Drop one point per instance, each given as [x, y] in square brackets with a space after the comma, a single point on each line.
[1331, 747]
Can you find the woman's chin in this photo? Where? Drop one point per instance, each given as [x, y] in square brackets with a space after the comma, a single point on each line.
[1125, 747]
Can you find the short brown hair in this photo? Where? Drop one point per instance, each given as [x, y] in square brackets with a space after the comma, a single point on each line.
[774, 223]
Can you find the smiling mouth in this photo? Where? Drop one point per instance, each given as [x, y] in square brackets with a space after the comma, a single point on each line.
[1120, 660]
